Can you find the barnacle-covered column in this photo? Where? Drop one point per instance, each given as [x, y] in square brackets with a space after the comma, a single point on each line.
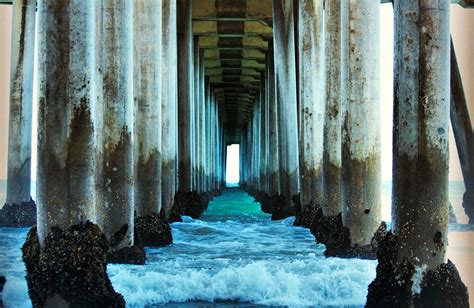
[285, 77]
[169, 107]
[361, 209]
[150, 227]
[66, 251]
[20, 210]
[412, 260]
[114, 80]
[312, 106]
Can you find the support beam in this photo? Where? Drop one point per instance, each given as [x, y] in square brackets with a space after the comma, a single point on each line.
[185, 94]
[361, 212]
[151, 229]
[285, 76]
[18, 197]
[311, 102]
[336, 95]
[463, 134]
[274, 160]
[115, 206]
[413, 258]
[66, 104]
[169, 101]
[66, 251]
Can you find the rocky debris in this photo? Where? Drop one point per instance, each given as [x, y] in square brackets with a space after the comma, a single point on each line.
[152, 231]
[190, 204]
[18, 216]
[393, 284]
[71, 269]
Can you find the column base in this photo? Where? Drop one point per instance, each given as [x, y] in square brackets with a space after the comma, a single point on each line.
[275, 205]
[152, 231]
[189, 204]
[126, 255]
[18, 216]
[393, 285]
[70, 269]
[331, 232]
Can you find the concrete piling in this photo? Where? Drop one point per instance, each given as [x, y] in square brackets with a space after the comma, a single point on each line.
[169, 109]
[66, 251]
[20, 209]
[311, 104]
[115, 205]
[361, 209]
[285, 84]
[415, 254]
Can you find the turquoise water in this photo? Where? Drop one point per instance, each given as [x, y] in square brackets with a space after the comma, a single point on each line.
[233, 253]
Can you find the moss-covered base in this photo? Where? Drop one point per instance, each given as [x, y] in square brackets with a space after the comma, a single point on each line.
[18, 216]
[71, 268]
[393, 285]
[189, 204]
[152, 231]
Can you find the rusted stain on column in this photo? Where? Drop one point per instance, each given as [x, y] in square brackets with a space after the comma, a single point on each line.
[311, 101]
[21, 101]
[361, 129]
[285, 76]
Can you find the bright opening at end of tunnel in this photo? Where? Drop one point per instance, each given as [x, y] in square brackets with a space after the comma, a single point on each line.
[232, 177]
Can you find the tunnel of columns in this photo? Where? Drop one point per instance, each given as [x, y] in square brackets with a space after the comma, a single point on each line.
[138, 100]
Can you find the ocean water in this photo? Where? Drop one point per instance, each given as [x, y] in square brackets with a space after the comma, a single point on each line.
[233, 253]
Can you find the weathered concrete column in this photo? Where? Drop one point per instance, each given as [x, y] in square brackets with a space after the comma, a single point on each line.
[335, 96]
[19, 210]
[169, 108]
[414, 256]
[185, 93]
[285, 82]
[421, 123]
[115, 206]
[66, 148]
[196, 162]
[202, 122]
[312, 102]
[361, 209]
[263, 135]
[151, 229]
[274, 176]
[64, 239]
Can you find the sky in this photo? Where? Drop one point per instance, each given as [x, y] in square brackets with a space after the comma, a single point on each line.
[462, 27]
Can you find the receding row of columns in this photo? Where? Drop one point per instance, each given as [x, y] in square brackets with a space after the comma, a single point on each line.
[127, 120]
[332, 125]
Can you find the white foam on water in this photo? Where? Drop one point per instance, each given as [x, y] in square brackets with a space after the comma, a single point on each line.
[305, 281]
